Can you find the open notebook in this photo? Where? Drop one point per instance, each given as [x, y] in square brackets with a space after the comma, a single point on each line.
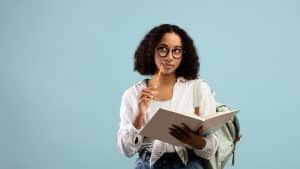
[158, 126]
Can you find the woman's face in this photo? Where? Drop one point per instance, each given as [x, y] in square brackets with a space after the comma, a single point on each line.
[168, 53]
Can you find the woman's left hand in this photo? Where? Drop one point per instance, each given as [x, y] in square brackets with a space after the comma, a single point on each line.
[188, 136]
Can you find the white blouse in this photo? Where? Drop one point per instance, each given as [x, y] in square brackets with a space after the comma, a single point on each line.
[129, 141]
[155, 105]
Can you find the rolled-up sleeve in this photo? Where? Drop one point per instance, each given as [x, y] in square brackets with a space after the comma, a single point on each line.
[129, 141]
[208, 105]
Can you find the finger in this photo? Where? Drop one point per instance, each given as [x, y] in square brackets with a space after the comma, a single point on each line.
[153, 90]
[177, 136]
[144, 99]
[187, 128]
[150, 90]
[144, 94]
[200, 130]
[176, 133]
[180, 131]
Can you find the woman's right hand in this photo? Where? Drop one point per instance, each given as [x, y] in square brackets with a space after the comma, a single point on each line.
[143, 102]
[144, 98]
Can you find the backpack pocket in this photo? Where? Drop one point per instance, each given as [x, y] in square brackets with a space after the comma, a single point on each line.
[226, 145]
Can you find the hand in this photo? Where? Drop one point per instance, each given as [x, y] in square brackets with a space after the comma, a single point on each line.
[144, 98]
[143, 102]
[187, 136]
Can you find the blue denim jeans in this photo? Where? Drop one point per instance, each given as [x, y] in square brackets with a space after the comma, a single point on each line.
[170, 161]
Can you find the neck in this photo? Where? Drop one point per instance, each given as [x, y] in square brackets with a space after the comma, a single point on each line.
[166, 79]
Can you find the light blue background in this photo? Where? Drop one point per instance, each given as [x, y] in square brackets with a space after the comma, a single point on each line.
[64, 65]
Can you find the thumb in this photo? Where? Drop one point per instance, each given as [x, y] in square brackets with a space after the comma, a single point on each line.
[200, 131]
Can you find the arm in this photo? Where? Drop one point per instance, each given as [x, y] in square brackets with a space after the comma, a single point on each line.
[129, 141]
[208, 105]
[203, 146]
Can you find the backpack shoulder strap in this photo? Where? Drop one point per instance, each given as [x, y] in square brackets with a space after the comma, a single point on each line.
[237, 137]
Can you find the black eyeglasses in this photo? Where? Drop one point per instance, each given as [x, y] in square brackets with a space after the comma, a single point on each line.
[163, 51]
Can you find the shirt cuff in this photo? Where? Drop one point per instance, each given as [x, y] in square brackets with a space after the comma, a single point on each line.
[205, 147]
[208, 151]
[136, 139]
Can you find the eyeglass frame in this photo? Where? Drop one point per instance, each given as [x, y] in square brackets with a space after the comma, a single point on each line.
[168, 50]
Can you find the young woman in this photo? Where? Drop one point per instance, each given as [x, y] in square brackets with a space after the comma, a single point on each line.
[168, 55]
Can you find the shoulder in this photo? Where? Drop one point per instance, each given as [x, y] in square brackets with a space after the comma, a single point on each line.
[203, 84]
[135, 89]
[199, 84]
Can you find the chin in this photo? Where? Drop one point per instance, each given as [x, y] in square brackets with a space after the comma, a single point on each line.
[168, 72]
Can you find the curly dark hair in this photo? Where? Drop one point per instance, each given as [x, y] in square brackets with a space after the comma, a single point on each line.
[144, 55]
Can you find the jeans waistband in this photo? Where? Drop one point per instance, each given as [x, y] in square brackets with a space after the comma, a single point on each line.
[145, 154]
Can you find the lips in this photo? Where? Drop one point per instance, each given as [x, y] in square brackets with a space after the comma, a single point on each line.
[168, 66]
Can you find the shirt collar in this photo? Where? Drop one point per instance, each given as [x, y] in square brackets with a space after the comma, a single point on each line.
[181, 79]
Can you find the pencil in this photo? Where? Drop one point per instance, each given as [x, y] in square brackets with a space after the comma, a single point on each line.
[158, 76]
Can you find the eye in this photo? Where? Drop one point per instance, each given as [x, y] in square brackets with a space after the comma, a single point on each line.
[177, 50]
[162, 49]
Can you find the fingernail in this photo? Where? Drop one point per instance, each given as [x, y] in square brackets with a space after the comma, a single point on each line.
[154, 92]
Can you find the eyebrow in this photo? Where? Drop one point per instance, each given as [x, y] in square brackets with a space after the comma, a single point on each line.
[165, 45]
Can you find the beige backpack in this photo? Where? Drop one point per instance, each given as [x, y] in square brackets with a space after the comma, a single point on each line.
[228, 135]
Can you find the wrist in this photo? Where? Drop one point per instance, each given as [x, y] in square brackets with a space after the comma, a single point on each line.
[138, 121]
[200, 144]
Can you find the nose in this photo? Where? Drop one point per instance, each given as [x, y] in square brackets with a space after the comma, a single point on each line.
[169, 56]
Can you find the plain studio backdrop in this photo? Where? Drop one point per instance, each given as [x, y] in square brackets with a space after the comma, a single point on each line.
[64, 65]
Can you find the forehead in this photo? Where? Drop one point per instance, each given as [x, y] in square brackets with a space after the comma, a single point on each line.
[171, 39]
